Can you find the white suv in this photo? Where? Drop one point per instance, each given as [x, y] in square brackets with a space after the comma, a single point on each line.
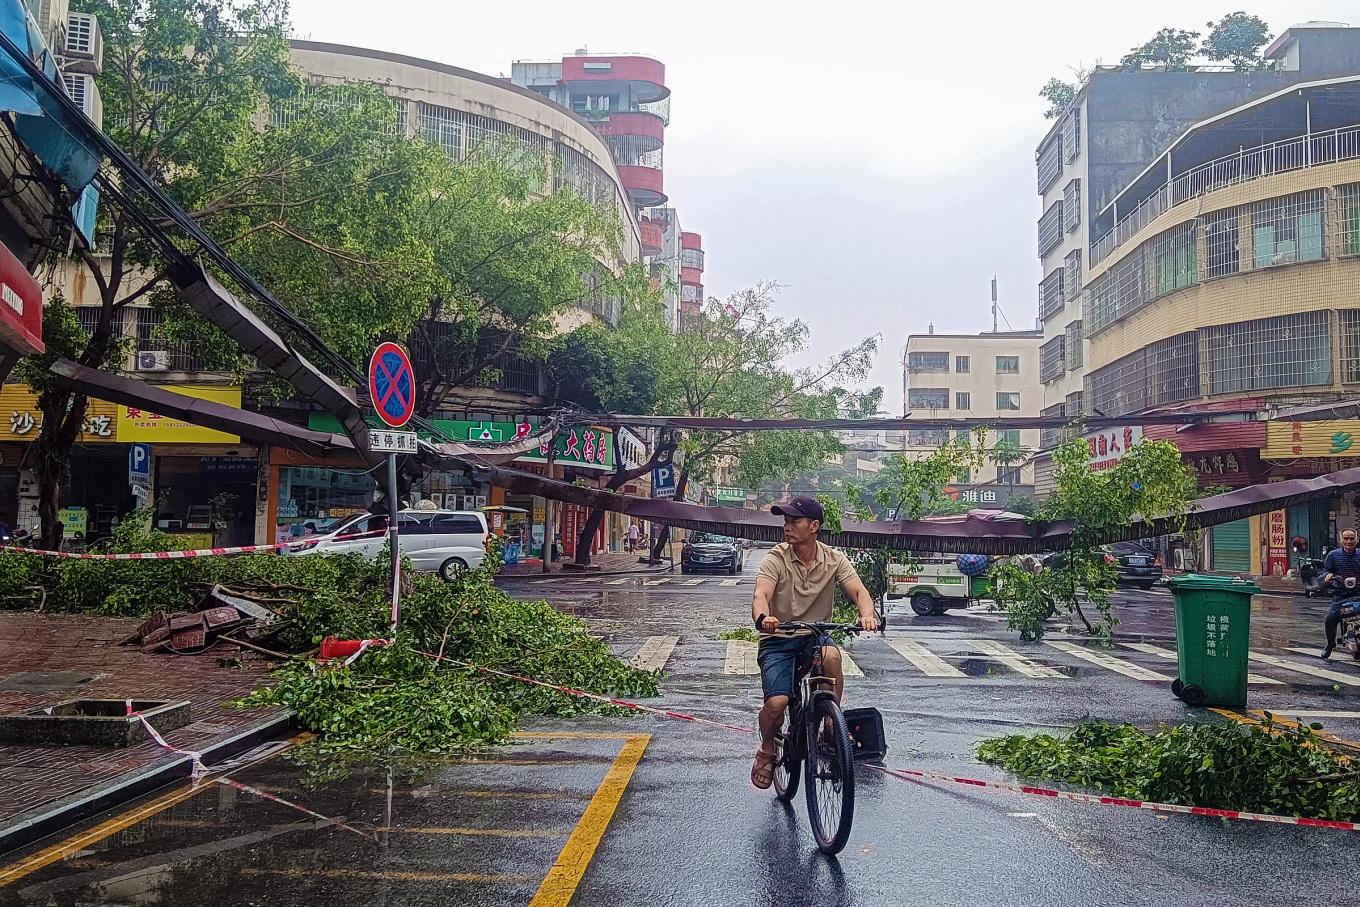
[447, 541]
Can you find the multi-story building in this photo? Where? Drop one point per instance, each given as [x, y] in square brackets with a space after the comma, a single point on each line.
[626, 99]
[979, 377]
[1201, 249]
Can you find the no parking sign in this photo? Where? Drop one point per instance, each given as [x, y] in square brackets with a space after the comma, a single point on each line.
[392, 384]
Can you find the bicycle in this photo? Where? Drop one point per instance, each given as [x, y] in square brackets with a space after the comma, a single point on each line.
[815, 738]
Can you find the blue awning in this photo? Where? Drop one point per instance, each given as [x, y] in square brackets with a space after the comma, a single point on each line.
[16, 88]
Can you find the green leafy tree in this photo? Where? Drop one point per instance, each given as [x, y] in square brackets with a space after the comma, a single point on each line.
[1237, 38]
[1008, 453]
[1058, 94]
[181, 80]
[1149, 481]
[1170, 46]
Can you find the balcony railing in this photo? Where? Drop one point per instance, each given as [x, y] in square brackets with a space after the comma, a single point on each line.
[1248, 164]
[692, 258]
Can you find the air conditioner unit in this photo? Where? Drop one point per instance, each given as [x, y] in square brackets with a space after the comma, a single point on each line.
[153, 361]
[85, 93]
[84, 51]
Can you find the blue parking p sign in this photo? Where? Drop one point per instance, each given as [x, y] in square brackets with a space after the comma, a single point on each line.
[139, 460]
[663, 481]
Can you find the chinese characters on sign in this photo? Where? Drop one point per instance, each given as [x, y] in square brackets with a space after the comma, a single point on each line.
[392, 441]
[1215, 464]
[1334, 438]
[1278, 544]
[1216, 632]
[1108, 446]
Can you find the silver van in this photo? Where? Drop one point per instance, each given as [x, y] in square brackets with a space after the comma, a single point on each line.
[444, 541]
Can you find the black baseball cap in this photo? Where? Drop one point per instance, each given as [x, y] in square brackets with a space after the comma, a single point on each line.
[802, 506]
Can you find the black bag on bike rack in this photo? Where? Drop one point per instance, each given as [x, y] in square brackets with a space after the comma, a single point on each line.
[866, 733]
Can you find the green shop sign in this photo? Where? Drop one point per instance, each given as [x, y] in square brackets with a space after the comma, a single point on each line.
[730, 495]
[581, 446]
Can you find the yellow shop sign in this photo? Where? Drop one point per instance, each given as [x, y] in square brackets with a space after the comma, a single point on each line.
[1337, 438]
[21, 420]
[142, 425]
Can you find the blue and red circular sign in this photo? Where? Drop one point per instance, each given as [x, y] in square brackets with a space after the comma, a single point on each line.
[392, 385]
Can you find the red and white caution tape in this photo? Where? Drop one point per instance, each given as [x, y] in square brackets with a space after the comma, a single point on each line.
[198, 767]
[679, 716]
[909, 775]
[940, 777]
[153, 555]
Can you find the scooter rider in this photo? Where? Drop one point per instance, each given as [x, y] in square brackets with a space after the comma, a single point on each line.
[1342, 570]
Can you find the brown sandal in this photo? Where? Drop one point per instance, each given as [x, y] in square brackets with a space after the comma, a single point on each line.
[762, 772]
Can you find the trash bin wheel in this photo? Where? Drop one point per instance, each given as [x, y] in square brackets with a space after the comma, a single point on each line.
[1192, 695]
[1176, 687]
[923, 604]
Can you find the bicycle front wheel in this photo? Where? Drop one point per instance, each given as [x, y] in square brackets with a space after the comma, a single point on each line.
[830, 777]
[786, 759]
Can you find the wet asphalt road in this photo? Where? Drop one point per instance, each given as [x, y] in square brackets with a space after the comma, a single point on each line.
[659, 812]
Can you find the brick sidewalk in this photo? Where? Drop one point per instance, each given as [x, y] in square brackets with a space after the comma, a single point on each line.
[51, 658]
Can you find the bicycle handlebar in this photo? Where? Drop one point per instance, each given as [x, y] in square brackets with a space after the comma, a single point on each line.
[819, 626]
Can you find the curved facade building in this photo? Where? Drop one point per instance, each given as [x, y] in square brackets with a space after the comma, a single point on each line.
[461, 109]
[691, 273]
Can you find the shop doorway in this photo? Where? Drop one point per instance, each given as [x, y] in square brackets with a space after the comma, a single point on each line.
[211, 499]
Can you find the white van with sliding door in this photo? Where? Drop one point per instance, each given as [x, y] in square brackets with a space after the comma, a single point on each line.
[447, 542]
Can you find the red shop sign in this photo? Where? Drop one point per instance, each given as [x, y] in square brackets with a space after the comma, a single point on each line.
[20, 306]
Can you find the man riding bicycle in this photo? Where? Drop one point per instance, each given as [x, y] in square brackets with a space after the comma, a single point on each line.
[1342, 569]
[796, 583]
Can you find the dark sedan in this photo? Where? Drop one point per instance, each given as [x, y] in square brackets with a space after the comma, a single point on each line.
[1137, 565]
[708, 553]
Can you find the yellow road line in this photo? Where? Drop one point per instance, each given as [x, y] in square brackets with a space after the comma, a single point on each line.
[384, 875]
[1258, 715]
[49, 855]
[490, 832]
[559, 886]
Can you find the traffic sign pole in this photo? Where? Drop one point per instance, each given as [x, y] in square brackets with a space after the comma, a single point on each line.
[392, 390]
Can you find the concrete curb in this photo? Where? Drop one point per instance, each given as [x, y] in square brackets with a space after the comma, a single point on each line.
[37, 823]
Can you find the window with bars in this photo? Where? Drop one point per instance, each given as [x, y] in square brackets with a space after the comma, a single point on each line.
[963, 400]
[1049, 162]
[962, 364]
[1289, 229]
[1051, 294]
[1072, 206]
[928, 362]
[1051, 228]
[1120, 291]
[1348, 203]
[1008, 365]
[1350, 345]
[1008, 475]
[1075, 405]
[1285, 351]
[1052, 359]
[444, 128]
[1221, 244]
[928, 398]
[1007, 401]
[927, 437]
[1071, 134]
[1072, 346]
[1173, 255]
[1163, 372]
[1049, 437]
[1072, 274]
[88, 317]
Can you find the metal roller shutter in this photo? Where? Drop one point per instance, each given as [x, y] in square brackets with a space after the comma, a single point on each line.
[1232, 547]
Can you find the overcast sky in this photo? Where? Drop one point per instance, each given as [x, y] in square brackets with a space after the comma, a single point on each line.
[875, 158]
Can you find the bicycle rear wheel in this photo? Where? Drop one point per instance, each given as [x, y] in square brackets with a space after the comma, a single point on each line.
[830, 777]
[786, 759]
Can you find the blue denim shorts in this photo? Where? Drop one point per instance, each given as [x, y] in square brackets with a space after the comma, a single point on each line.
[780, 658]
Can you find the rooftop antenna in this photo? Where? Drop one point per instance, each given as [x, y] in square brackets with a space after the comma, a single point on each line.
[993, 303]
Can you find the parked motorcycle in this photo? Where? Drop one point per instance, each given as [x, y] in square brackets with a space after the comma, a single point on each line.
[1310, 574]
[1348, 632]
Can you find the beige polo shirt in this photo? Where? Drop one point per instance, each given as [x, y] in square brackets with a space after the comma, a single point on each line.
[805, 593]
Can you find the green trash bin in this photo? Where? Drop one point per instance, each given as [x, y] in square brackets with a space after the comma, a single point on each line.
[1213, 628]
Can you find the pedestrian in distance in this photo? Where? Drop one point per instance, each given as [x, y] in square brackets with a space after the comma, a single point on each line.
[797, 583]
[633, 535]
[1342, 570]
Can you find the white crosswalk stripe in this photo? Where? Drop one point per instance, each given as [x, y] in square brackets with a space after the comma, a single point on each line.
[658, 582]
[741, 658]
[1350, 680]
[848, 666]
[925, 660]
[691, 582]
[1342, 657]
[617, 582]
[1108, 662]
[655, 652]
[1012, 659]
[729, 582]
[1169, 654]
